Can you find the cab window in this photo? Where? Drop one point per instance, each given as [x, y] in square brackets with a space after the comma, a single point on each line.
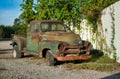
[34, 27]
[44, 27]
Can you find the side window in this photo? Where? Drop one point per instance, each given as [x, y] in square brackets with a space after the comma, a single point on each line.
[44, 27]
[34, 27]
[31, 29]
[60, 27]
[53, 26]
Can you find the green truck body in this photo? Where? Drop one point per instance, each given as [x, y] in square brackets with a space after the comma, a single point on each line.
[49, 39]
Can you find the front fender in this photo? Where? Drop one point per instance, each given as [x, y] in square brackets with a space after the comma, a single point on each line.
[51, 45]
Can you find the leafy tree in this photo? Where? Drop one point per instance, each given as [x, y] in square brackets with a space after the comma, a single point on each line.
[68, 11]
[6, 31]
[21, 23]
[27, 11]
[19, 27]
[65, 10]
[1, 31]
[72, 11]
[17, 21]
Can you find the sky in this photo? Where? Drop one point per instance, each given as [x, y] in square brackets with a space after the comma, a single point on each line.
[9, 10]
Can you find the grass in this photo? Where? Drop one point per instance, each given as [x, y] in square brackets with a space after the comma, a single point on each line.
[98, 62]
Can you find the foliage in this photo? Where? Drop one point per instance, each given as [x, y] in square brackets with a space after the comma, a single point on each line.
[27, 11]
[21, 23]
[6, 31]
[64, 10]
[91, 10]
[19, 27]
[70, 12]
[1, 31]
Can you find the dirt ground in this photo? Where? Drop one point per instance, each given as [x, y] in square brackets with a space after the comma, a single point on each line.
[5, 45]
[31, 67]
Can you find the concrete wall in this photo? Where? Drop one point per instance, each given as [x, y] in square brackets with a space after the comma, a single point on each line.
[107, 22]
[102, 40]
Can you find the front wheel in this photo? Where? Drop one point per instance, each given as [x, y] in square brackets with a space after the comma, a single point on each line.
[50, 59]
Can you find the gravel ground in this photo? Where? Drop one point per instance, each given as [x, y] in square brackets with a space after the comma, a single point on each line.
[5, 45]
[31, 67]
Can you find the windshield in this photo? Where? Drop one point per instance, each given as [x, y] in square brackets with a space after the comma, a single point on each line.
[52, 27]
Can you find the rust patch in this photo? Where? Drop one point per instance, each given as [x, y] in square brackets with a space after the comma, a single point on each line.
[35, 35]
[65, 48]
[73, 52]
[22, 38]
[71, 58]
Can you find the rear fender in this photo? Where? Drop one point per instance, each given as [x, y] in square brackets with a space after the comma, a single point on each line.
[19, 41]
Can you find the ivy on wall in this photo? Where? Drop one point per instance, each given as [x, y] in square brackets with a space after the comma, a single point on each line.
[113, 49]
[92, 9]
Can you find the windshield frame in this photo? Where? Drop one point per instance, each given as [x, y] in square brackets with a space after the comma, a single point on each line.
[52, 26]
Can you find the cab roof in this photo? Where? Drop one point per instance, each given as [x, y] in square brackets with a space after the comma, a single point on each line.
[40, 21]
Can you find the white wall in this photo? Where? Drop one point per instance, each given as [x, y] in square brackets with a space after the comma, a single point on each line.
[104, 31]
[106, 24]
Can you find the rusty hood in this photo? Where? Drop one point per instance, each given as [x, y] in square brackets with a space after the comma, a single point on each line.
[70, 38]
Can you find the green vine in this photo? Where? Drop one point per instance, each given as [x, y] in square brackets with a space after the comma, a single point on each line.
[92, 11]
[113, 49]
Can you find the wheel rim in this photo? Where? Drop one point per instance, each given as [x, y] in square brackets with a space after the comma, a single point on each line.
[14, 53]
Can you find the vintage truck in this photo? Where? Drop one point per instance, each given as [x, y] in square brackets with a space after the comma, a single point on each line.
[50, 39]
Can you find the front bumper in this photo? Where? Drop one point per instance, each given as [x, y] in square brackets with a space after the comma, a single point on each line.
[72, 58]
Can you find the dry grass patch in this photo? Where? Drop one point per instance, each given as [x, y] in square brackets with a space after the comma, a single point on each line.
[98, 62]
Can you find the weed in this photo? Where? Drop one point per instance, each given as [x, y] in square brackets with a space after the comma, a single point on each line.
[98, 62]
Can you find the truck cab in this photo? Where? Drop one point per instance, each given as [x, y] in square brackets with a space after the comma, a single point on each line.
[49, 39]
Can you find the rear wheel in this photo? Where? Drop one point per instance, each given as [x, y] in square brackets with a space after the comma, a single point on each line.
[50, 59]
[16, 52]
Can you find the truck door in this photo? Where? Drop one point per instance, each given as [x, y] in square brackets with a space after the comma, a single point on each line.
[33, 37]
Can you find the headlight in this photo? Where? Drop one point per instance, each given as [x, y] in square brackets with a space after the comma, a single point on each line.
[80, 42]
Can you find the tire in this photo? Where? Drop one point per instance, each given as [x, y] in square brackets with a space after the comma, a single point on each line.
[50, 61]
[90, 48]
[16, 52]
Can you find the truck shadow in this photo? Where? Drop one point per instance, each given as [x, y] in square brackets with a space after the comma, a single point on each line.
[113, 76]
[28, 55]
[96, 54]
[4, 51]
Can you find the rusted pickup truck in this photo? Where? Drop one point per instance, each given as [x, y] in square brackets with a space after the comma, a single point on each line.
[49, 39]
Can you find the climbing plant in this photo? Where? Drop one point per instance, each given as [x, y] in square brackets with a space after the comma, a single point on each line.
[91, 10]
[113, 49]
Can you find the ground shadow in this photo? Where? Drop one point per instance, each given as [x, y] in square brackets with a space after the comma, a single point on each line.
[28, 55]
[113, 76]
[7, 54]
[4, 51]
[96, 54]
